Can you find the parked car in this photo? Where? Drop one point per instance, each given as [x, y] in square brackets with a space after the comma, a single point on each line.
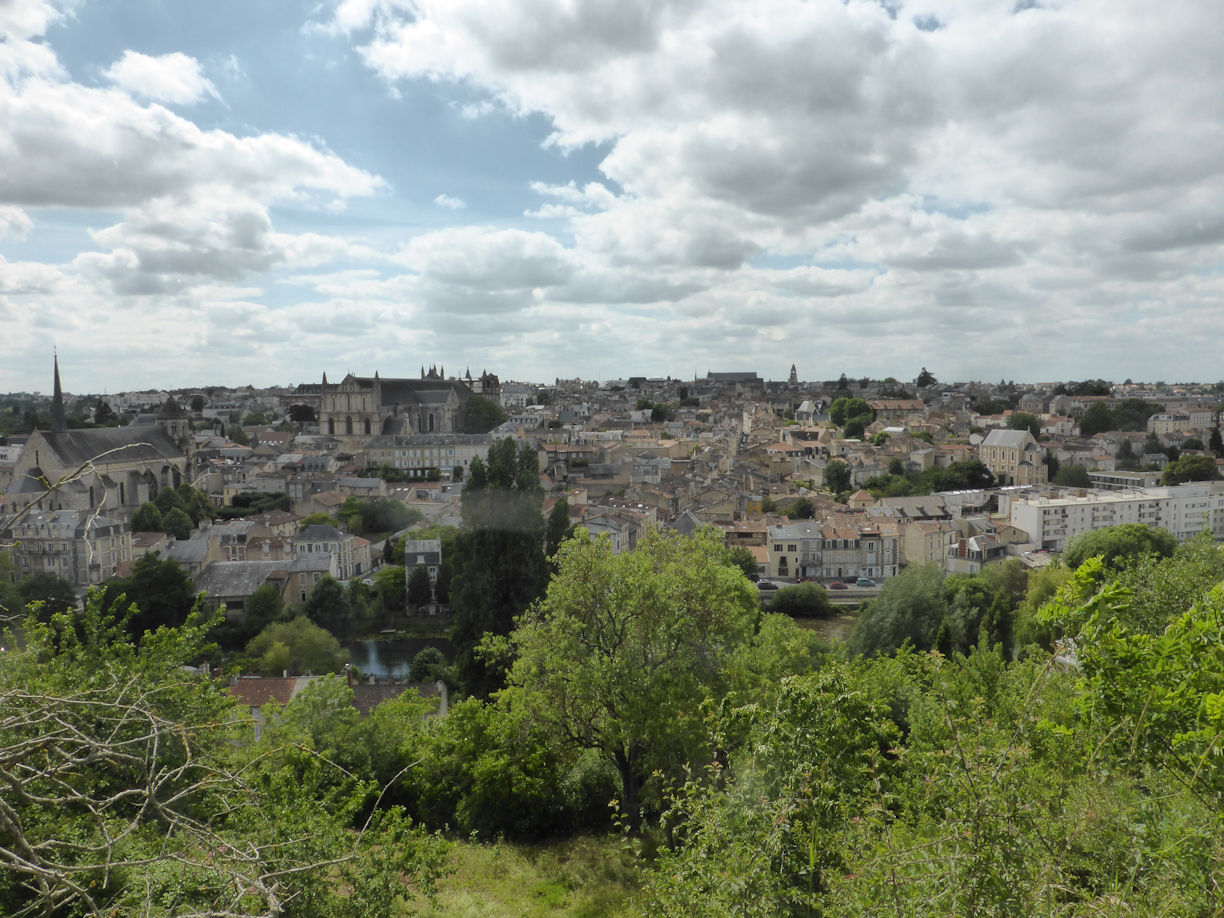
[768, 585]
[837, 585]
[864, 582]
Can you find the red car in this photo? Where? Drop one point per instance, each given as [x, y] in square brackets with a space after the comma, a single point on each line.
[837, 585]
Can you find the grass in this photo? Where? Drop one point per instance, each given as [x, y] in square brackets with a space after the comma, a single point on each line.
[833, 630]
[587, 877]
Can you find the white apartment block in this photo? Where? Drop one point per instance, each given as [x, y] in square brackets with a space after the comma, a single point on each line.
[1184, 511]
[1193, 419]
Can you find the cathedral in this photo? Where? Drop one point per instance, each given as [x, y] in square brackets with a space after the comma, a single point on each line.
[366, 406]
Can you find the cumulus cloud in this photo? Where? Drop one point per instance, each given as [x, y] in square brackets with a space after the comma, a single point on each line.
[954, 158]
[449, 202]
[173, 78]
[15, 223]
[194, 203]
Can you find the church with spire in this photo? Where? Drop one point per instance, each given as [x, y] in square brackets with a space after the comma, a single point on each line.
[107, 470]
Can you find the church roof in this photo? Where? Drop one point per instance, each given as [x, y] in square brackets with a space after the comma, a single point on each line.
[111, 444]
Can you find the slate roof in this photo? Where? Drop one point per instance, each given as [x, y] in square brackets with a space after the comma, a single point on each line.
[228, 579]
[1012, 439]
[320, 532]
[413, 391]
[111, 444]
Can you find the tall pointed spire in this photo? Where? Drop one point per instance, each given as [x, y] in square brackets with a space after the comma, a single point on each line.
[59, 423]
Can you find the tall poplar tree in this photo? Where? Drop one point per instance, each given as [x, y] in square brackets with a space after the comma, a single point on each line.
[498, 564]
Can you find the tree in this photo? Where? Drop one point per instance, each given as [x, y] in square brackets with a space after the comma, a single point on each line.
[1072, 476]
[263, 607]
[742, 558]
[160, 590]
[104, 415]
[497, 561]
[318, 518]
[197, 403]
[130, 787]
[622, 650]
[428, 665]
[55, 594]
[802, 509]
[177, 523]
[1216, 443]
[925, 378]
[1118, 544]
[1190, 468]
[559, 527]
[368, 517]
[837, 476]
[239, 436]
[1097, 419]
[419, 588]
[803, 600]
[328, 606]
[1022, 420]
[843, 410]
[480, 415]
[168, 499]
[195, 502]
[299, 646]
[910, 607]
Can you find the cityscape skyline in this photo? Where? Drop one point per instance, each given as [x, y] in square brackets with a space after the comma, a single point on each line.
[220, 194]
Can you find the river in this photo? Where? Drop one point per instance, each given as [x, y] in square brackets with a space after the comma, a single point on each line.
[392, 657]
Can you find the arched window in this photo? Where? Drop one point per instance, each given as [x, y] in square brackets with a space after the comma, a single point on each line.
[331, 427]
[348, 426]
[431, 422]
[365, 426]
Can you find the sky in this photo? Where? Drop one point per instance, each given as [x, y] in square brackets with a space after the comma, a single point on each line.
[256, 192]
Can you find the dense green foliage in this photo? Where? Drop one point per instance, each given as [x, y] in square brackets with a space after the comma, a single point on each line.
[922, 607]
[298, 647]
[837, 476]
[370, 517]
[160, 590]
[1072, 476]
[480, 415]
[1129, 415]
[803, 600]
[1190, 468]
[623, 649]
[959, 476]
[497, 561]
[1119, 543]
[952, 765]
[132, 787]
[845, 411]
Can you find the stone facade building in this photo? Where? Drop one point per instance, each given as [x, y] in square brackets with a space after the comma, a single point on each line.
[366, 406]
[111, 470]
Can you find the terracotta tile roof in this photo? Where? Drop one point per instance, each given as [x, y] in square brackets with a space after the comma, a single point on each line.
[255, 692]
